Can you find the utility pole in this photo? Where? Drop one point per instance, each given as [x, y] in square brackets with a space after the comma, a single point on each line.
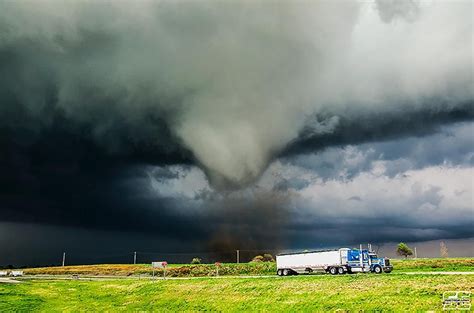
[238, 256]
[64, 258]
[416, 256]
[135, 257]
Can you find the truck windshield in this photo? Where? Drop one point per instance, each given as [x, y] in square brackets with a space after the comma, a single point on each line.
[373, 257]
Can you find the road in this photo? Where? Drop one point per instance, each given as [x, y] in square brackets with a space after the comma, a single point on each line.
[8, 281]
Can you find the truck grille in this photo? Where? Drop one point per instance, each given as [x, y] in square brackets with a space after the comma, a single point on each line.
[387, 262]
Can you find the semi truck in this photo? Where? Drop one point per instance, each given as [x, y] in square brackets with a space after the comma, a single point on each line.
[339, 261]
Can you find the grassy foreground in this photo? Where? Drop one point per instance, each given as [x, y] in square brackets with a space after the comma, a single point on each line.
[265, 268]
[396, 292]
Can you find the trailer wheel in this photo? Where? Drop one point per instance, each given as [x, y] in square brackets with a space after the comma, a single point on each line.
[333, 270]
[377, 269]
[279, 272]
[340, 270]
[286, 272]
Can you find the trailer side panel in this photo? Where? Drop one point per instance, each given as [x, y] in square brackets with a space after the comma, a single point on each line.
[309, 260]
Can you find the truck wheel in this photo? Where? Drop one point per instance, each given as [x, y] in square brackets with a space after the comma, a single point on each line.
[286, 272]
[333, 270]
[377, 269]
[279, 272]
[340, 270]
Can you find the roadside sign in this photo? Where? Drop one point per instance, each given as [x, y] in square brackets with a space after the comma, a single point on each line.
[159, 264]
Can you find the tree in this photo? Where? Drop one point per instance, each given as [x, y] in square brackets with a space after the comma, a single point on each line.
[403, 249]
[267, 257]
[196, 261]
[443, 250]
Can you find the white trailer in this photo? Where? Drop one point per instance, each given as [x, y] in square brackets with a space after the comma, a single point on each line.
[338, 261]
[308, 262]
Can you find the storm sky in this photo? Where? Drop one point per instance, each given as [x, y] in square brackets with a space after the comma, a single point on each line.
[187, 126]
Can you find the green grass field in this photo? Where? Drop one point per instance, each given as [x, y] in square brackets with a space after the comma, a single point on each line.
[370, 292]
[397, 292]
[434, 265]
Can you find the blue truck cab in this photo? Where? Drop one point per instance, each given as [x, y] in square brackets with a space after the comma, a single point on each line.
[367, 261]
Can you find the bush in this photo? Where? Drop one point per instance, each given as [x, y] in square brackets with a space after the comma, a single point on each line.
[196, 261]
[267, 257]
[258, 258]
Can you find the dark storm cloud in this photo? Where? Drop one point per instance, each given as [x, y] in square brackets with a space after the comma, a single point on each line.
[418, 204]
[361, 128]
[177, 81]
[99, 100]
[414, 188]
[452, 145]
[110, 197]
[161, 174]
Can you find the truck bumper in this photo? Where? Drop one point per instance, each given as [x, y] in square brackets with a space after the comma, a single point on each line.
[387, 269]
